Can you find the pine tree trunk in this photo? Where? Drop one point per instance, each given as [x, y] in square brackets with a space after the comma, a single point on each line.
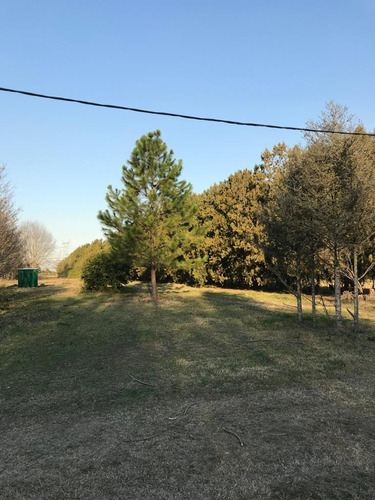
[313, 297]
[337, 289]
[154, 288]
[299, 293]
[355, 277]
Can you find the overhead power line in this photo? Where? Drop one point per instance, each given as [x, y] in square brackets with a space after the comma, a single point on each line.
[178, 115]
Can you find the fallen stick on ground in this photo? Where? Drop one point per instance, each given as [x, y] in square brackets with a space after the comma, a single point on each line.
[183, 412]
[285, 341]
[274, 433]
[141, 382]
[234, 434]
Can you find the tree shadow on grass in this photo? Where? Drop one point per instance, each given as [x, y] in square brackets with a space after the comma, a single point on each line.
[92, 343]
[144, 288]
[12, 293]
[214, 361]
[95, 346]
[234, 343]
[72, 352]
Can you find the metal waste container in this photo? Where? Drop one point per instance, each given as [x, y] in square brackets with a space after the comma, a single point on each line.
[27, 277]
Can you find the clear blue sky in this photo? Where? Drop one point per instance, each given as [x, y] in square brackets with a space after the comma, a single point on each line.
[276, 61]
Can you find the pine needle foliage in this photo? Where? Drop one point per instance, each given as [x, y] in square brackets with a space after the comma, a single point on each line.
[148, 222]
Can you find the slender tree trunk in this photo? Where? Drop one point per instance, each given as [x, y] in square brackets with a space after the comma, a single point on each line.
[355, 279]
[154, 288]
[337, 288]
[313, 296]
[298, 289]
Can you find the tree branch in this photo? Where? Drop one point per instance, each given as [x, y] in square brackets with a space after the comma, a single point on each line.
[234, 434]
[141, 382]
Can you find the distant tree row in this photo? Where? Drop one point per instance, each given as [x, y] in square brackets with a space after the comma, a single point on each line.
[72, 266]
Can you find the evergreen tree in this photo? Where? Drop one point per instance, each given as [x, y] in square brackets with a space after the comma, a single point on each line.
[231, 208]
[192, 268]
[148, 221]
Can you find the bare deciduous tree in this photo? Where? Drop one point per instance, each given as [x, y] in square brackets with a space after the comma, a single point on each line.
[10, 242]
[38, 244]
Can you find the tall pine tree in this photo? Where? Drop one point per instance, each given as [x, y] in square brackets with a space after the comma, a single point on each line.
[148, 221]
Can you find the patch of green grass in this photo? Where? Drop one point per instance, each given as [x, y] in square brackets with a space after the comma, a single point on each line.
[130, 395]
[191, 339]
[335, 364]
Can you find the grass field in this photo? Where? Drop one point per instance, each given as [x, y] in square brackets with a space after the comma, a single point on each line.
[208, 394]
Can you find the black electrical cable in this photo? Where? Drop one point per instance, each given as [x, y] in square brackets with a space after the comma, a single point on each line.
[177, 115]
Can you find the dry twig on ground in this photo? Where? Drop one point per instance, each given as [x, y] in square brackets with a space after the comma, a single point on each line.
[141, 382]
[183, 412]
[234, 434]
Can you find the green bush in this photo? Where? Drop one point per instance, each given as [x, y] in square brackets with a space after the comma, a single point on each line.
[102, 272]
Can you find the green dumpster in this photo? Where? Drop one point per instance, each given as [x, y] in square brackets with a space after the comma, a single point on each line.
[27, 277]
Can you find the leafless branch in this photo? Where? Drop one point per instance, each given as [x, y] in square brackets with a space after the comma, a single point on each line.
[273, 340]
[278, 275]
[141, 382]
[371, 266]
[350, 312]
[38, 243]
[234, 434]
[324, 305]
[182, 412]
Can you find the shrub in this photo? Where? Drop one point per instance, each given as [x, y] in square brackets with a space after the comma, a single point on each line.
[102, 272]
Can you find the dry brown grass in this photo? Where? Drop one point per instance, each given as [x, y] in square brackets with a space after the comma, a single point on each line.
[74, 424]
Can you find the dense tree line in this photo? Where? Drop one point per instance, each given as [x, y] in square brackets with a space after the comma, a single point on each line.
[230, 210]
[303, 214]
